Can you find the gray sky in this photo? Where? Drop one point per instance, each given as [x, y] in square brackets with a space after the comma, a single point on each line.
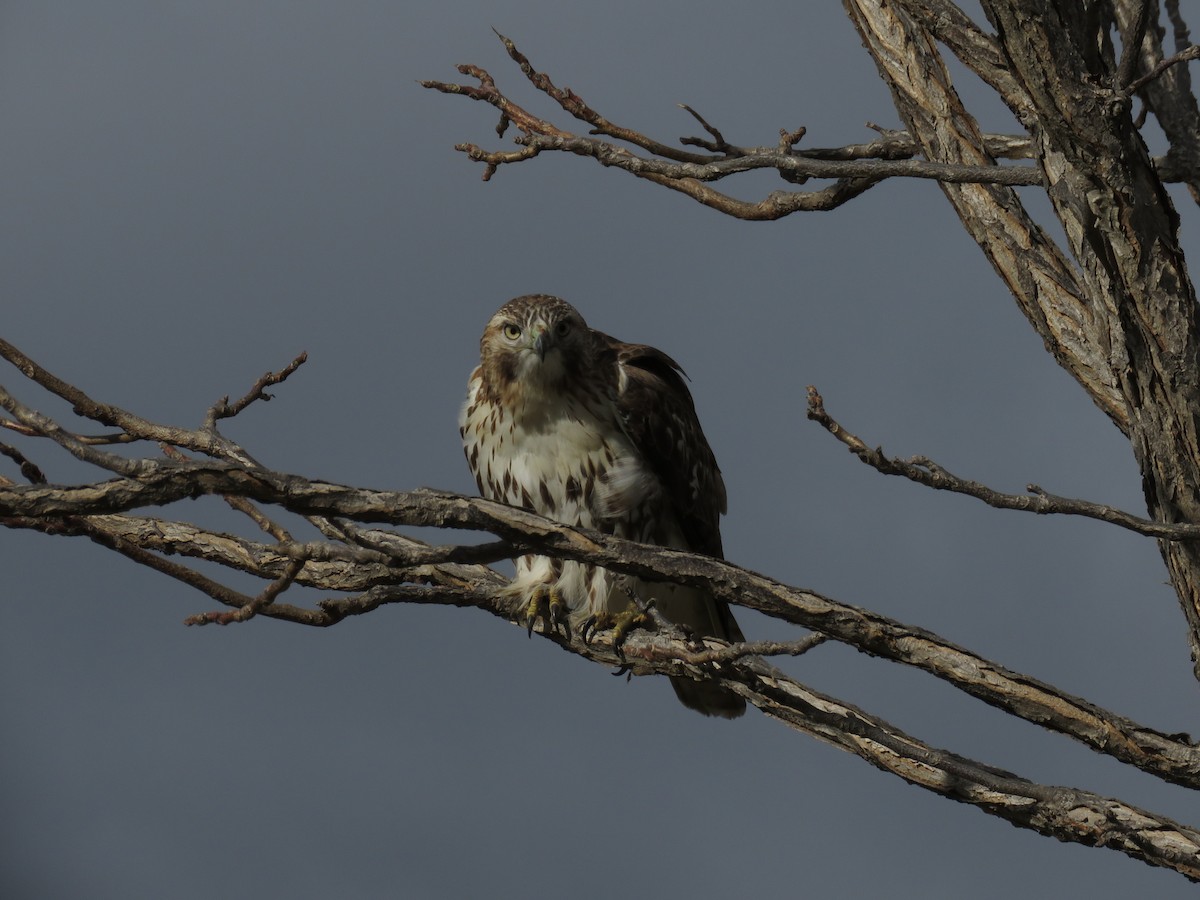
[192, 193]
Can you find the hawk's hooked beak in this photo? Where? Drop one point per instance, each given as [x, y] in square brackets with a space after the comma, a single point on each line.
[541, 342]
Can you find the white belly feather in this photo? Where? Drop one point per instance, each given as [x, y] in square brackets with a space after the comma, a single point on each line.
[562, 462]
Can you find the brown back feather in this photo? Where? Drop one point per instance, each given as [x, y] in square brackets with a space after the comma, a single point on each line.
[660, 418]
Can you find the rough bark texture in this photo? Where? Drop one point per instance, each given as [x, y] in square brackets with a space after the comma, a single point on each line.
[1123, 232]
[1122, 317]
[1041, 278]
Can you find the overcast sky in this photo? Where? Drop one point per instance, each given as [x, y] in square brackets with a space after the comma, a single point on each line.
[192, 193]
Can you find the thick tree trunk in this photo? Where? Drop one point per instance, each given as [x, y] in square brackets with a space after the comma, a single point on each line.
[1121, 318]
[1123, 231]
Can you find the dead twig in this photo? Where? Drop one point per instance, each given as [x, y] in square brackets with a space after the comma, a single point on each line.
[925, 471]
[249, 610]
[222, 409]
[1186, 55]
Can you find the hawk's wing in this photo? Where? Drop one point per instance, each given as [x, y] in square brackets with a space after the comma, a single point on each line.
[660, 418]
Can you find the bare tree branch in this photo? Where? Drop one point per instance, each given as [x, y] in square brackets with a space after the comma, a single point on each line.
[1166, 88]
[1187, 55]
[976, 50]
[254, 606]
[104, 414]
[1132, 45]
[792, 164]
[686, 171]
[392, 559]
[925, 471]
[673, 164]
[223, 410]
[1065, 813]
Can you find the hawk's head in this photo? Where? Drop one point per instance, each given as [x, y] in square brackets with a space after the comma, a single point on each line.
[536, 344]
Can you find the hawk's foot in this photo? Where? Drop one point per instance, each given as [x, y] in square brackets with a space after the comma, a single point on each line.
[621, 625]
[547, 604]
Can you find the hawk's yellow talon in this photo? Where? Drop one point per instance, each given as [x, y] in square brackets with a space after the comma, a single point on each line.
[547, 604]
[621, 624]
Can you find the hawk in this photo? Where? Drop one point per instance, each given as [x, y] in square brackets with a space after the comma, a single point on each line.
[579, 427]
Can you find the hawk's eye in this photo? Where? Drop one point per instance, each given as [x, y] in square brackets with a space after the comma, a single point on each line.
[512, 331]
[562, 328]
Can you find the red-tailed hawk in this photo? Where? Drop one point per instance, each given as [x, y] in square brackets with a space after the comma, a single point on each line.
[587, 430]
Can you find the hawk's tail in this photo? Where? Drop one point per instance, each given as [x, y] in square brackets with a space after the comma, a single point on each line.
[708, 698]
[705, 616]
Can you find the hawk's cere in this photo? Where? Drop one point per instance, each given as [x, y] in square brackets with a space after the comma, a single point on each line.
[584, 429]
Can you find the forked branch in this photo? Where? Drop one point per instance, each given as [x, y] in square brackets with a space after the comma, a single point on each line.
[854, 169]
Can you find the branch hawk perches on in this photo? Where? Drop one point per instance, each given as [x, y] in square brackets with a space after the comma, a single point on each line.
[587, 430]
